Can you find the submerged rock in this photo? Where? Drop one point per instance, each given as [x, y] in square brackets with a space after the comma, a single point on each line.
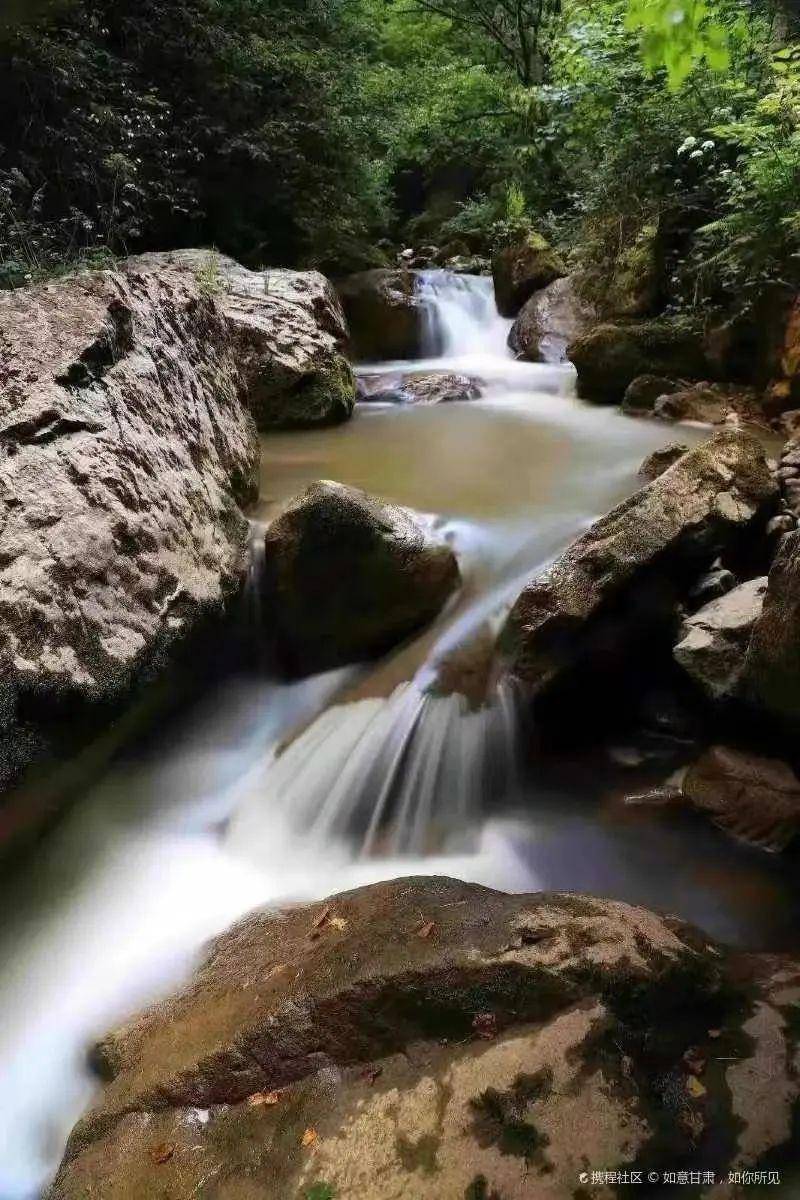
[439, 389]
[385, 315]
[712, 643]
[521, 269]
[347, 577]
[428, 1034]
[754, 798]
[288, 331]
[662, 459]
[552, 319]
[686, 516]
[610, 356]
[125, 455]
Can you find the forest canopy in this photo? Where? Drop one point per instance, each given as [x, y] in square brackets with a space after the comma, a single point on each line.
[331, 132]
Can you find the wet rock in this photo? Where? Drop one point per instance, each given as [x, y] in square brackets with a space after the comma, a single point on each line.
[644, 391]
[124, 455]
[711, 404]
[756, 799]
[662, 459]
[384, 314]
[347, 577]
[426, 1032]
[772, 671]
[521, 269]
[610, 356]
[712, 644]
[550, 320]
[439, 389]
[686, 516]
[783, 391]
[288, 330]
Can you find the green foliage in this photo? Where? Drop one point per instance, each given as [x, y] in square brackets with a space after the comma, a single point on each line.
[320, 1191]
[678, 35]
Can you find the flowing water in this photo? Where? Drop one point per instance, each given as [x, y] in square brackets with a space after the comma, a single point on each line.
[263, 791]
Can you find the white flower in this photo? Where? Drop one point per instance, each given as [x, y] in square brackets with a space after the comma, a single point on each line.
[696, 154]
[687, 144]
[708, 146]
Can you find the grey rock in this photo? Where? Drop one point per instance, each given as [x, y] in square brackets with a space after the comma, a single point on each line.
[550, 320]
[662, 459]
[712, 643]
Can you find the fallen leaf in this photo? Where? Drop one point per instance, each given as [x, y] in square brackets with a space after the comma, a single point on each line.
[309, 1137]
[426, 929]
[163, 1152]
[694, 1087]
[258, 1098]
[485, 1025]
[370, 1074]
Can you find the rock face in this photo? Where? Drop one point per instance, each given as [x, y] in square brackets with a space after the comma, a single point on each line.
[610, 356]
[772, 672]
[661, 460]
[756, 799]
[687, 515]
[521, 269]
[288, 330]
[713, 642]
[427, 1037]
[548, 322]
[347, 577]
[385, 315]
[125, 454]
[634, 287]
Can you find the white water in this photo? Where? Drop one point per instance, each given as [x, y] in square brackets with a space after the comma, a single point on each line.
[185, 834]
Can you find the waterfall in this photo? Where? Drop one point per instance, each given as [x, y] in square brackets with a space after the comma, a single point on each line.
[460, 316]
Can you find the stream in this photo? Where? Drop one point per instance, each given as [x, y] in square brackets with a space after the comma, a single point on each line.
[262, 791]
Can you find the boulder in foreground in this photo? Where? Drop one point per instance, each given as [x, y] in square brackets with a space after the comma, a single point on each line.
[426, 1037]
[697, 507]
[126, 454]
[288, 332]
[754, 798]
[347, 577]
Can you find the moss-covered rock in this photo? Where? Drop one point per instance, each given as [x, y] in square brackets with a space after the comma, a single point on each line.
[635, 286]
[611, 355]
[346, 577]
[521, 269]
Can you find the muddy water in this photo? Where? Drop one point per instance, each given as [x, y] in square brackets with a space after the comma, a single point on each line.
[262, 791]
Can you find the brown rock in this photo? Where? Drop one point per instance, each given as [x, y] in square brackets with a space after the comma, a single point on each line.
[384, 313]
[521, 269]
[508, 1050]
[690, 512]
[772, 671]
[711, 404]
[756, 799]
[347, 577]
[439, 389]
[642, 393]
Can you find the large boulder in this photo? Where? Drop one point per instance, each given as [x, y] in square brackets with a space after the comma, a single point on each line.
[712, 644]
[346, 577]
[521, 269]
[702, 503]
[710, 404]
[611, 355]
[550, 320]
[772, 671]
[288, 330]
[385, 314]
[426, 1037]
[635, 284]
[126, 454]
[661, 460]
[754, 798]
